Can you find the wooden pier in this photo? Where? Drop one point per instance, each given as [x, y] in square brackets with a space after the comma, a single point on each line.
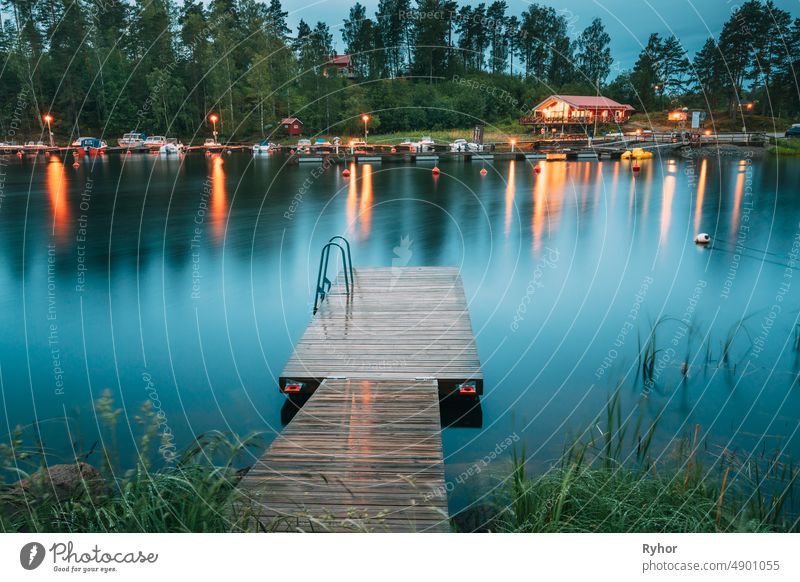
[364, 453]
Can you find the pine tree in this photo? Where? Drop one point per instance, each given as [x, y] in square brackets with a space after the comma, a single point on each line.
[593, 53]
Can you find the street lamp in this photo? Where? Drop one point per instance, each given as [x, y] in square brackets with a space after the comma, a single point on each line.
[365, 119]
[214, 117]
[48, 119]
[513, 143]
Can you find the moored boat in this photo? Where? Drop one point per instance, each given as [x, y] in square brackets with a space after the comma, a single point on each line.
[133, 139]
[92, 145]
[264, 147]
[154, 142]
[172, 147]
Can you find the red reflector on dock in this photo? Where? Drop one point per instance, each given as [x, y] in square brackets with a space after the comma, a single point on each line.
[467, 388]
[293, 387]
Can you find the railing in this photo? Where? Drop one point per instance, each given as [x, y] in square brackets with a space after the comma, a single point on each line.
[324, 284]
[570, 120]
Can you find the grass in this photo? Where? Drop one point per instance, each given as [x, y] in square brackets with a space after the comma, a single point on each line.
[786, 147]
[614, 483]
[196, 492]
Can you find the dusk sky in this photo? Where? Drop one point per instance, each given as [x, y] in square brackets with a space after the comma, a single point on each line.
[629, 22]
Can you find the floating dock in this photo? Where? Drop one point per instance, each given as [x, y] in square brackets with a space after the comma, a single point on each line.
[364, 453]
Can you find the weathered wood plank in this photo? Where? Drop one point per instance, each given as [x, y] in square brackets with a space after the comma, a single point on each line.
[378, 467]
[397, 323]
[365, 452]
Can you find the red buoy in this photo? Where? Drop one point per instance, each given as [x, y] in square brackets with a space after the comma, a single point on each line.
[76, 165]
[394, 150]
[483, 172]
[537, 170]
[435, 171]
[346, 173]
[19, 154]
[636, 167]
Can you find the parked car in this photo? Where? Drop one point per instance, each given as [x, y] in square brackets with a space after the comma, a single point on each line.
[793, 131]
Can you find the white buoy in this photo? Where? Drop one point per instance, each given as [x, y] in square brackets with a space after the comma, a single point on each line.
[702, 239]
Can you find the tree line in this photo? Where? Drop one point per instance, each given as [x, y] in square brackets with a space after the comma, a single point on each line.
[110, 66]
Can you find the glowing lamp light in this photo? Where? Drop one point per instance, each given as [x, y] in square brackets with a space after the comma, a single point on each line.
[213, 118]
[48, 118]
[365, 118]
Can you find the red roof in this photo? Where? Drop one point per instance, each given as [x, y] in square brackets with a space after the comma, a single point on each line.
[588, 102]
[290, 120]
[343, 60]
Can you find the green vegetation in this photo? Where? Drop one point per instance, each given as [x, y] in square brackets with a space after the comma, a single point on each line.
[195, 492]
[786, 147]
[111, 66]
[613, 483]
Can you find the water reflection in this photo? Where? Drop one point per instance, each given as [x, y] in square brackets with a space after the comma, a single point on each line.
[539, 199]
[219, 198]
[510, 187]
[701, 192]
[57, 188]
[737, 196]
[668, 192]
[365, 211]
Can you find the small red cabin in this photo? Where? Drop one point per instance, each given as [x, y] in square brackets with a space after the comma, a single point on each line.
[292, 126]
[343, 65]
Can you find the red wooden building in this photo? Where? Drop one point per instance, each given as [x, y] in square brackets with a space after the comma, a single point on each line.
[343, 65]
[577, 112]
[292, 126]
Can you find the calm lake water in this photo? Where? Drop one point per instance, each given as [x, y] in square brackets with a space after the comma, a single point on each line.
[187, 281]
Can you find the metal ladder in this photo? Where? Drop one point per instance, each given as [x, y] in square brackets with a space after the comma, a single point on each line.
[324, 284]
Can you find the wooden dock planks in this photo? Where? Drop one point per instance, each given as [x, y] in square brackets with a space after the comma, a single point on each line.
[361, 455]
[399, 323]
[365, 452]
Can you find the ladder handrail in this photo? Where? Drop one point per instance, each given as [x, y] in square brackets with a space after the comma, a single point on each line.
[349, 258]
[323, 283]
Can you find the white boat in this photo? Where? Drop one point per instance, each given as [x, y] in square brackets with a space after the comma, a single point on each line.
[172, 148]
[264, 147]
[462, 145]
[407, 144]
[425, 144]
[133, 139]
[155, 142]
